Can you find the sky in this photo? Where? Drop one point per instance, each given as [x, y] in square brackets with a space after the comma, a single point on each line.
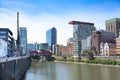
[38, 16]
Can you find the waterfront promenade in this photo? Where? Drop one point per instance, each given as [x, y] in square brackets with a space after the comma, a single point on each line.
[12, 58]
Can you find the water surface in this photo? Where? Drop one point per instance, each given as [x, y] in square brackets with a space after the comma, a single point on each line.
[69, 71]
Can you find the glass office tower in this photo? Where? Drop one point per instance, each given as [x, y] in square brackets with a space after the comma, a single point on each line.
[23, 40]
[51, 37]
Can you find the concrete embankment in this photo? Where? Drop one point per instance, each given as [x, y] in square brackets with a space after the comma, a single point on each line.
[14, 69]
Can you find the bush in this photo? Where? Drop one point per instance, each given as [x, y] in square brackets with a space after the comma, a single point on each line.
[96, 61]
[118, 63]
[79, 60]
[84, 61]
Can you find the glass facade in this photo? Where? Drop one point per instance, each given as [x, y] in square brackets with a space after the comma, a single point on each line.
[80, 32]
[51, 37]
[23, 40]
[30, 47]
[86, 43]
[43, 46]
[3, 48]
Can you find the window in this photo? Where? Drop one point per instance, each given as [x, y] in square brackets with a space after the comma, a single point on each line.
[2, 36]
[2, 32]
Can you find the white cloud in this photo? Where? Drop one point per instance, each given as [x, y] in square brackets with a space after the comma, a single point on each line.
[39, 24]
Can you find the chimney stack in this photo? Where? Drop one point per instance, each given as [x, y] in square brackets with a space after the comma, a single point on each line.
[18, 36]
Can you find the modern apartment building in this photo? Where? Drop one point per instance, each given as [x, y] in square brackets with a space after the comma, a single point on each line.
[23, 40]
[81, 30]
[7, 35]
[99, 37]
[113, 25]
[51, 37]
[3, 48]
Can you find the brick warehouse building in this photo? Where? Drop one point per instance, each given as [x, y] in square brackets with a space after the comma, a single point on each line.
[117, 46]
[65, 50]
[101, 36]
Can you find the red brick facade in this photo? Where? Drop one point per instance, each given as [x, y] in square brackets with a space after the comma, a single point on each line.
[101, 36]
[65, 50]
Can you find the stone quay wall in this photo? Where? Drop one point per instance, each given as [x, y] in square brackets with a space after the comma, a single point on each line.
[14, 69]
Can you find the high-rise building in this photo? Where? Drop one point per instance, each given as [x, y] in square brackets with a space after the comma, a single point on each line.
[23, 40]
[81, 30]
[7, 35]
[113, 25]
[51, 37]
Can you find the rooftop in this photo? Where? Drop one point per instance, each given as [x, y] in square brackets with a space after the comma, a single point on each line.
[79, 22]
[6, 29]
[112, 20]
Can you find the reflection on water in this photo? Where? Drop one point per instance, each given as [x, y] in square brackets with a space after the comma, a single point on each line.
[66, 71]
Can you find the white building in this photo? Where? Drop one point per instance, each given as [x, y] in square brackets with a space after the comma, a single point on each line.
[104, 49]
[3, 48]
[108, 49]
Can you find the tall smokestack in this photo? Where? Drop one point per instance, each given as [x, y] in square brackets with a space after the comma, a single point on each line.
[18, 36]
[17, 23]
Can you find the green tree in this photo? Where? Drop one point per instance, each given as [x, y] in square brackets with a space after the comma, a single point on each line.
[89, 53]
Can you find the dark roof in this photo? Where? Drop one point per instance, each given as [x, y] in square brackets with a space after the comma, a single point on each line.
[79, 22]
[6, 29]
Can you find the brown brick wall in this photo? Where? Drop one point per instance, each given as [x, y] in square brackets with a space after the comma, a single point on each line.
[65, 50]
[97, 38]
